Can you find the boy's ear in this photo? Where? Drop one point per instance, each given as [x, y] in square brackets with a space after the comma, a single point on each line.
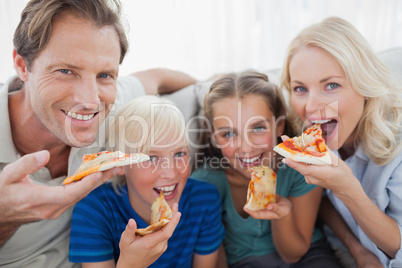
[20, 66]
[280, 125]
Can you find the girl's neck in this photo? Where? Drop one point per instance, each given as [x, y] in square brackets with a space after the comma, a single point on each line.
[238, 184]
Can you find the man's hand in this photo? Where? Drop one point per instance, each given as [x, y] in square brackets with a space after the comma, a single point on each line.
[22, 201]
[142, 251]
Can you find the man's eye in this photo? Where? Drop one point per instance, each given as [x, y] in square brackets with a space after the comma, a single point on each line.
[104, 76]
[64, 71]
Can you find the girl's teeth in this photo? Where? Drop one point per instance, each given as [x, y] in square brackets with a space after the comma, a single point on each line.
[251, 160]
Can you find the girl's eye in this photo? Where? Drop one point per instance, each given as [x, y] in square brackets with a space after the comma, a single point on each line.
[229, 134]
[332, 86]
[259, 128]
[300, 89]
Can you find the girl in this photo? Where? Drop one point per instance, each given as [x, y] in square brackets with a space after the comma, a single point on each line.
[156, 127]
[247, 115]
[334, 77]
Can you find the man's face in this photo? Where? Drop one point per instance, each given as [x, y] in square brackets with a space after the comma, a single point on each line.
[72, 83]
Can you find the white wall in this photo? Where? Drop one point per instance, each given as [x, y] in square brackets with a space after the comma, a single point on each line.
[203, 37]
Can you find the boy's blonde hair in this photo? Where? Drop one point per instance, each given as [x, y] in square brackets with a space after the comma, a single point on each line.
[379, 129]
[142, 123]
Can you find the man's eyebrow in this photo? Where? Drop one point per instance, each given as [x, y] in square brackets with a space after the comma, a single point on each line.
[62, 65]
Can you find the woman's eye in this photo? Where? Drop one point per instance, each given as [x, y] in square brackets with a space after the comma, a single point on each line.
[152, 158]
[332, 86]
[299, 89]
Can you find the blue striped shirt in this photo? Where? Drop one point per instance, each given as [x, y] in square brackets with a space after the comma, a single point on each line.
[99, 220]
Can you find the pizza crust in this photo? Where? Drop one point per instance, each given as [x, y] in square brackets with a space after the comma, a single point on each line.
[152, 228]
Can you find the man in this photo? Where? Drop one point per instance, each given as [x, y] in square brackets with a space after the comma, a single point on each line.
[67, 55]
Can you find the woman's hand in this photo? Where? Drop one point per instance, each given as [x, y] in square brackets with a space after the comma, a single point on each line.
[337, 177]
[272, 211]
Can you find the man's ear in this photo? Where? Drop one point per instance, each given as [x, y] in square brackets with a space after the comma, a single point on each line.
[20, 66]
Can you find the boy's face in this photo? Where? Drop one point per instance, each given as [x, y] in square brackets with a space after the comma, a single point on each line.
[166, 171]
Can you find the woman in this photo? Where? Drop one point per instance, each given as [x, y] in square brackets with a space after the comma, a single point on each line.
[334, 78]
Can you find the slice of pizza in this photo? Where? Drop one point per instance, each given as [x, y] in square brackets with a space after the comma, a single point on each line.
[104, 160]
[308, 148]
[160, 216]
[262, 188]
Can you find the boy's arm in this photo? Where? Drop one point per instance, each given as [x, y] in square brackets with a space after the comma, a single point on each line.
[333, 219]
[163, 81]
[210, 260]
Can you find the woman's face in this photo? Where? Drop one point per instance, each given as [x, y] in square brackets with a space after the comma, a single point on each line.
[245, 132]
[321, 93]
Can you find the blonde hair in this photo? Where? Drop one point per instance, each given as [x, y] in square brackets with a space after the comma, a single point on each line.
[379, 130]
[142, 123]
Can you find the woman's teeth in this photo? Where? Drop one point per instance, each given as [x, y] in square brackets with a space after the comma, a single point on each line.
[81, 117]
[320, 121]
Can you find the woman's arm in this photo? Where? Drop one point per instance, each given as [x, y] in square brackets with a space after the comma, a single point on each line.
[339, 178]
[333, 220]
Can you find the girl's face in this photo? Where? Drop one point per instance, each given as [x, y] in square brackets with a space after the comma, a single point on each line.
[166, 171]
[321, 93]
[245, 131]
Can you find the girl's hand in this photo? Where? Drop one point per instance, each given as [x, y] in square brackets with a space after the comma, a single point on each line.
[273, 211]
[337, 177]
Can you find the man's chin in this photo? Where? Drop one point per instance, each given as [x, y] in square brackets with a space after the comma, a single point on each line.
[79, 142]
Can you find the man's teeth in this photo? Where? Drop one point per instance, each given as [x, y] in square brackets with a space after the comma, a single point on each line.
[250, 160]
[320, 121]
[80, 116]
[167, 190]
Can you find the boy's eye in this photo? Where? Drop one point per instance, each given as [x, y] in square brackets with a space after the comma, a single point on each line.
[152, 158]
[179, 154]
[332, 86]
[259, 129]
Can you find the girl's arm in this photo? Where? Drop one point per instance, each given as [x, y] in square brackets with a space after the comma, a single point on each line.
[292, 223]
[379, 227]
[105, 264]
[360, 254]
[292, 234]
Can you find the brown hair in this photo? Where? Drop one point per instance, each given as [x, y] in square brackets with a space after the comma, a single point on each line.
[34, 29]
[240, 85]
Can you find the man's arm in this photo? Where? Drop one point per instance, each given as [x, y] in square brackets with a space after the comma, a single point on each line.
[163, 81]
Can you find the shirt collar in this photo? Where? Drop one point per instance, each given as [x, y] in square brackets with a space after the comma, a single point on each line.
[8, 152]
